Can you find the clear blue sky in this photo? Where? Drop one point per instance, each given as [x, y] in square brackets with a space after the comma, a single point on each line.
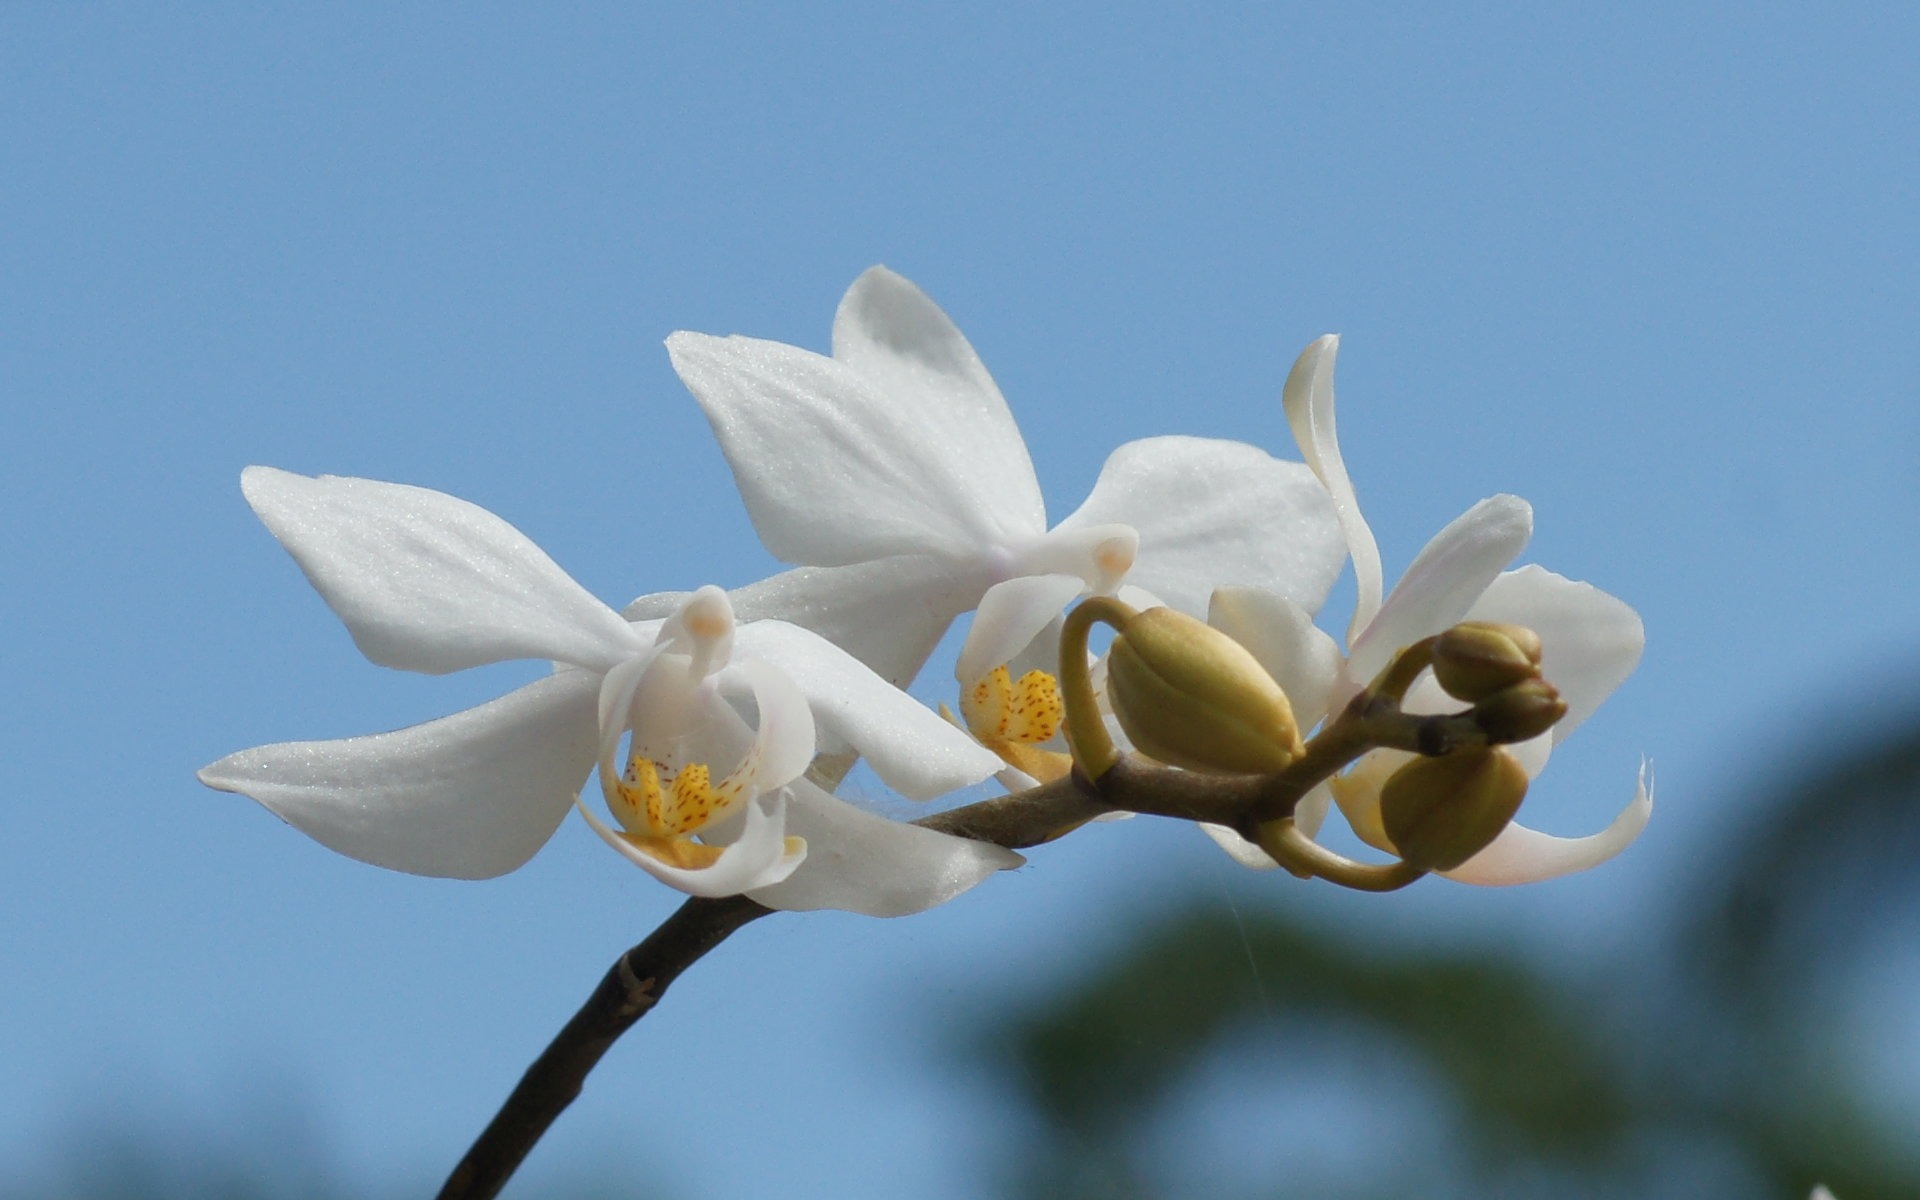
[1654, 268]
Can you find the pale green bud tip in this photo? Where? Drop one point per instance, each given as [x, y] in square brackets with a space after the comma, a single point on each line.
[1525, 710]
[1440, 812]
[1193, 697]
[1475, 659]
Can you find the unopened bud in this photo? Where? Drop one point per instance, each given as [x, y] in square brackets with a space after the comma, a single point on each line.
[1193, 697]
[1475, 659]
[1525, 710]
[1440, 812]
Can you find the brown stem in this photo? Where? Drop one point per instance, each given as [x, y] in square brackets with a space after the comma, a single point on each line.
[628, 992]
[635, 983]
[638, 978]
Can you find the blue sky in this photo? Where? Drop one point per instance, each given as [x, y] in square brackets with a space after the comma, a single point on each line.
[1654, 268]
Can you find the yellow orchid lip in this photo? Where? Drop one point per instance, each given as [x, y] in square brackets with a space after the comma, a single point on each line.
[998, 709]
[1012, 718]
[682, 853]
[685, 803]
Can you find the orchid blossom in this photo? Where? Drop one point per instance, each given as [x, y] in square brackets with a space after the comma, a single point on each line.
[893, 473]
[1591, 642]
[426, 582]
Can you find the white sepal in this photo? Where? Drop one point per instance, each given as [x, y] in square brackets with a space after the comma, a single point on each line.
[1522, 855]
[468, 796]
[889, 331]
[1238, 848]
[832, 470]
[1590, 641]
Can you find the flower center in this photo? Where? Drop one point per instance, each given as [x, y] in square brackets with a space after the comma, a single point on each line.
[657, 803]
[997, 709]
[1012, 718]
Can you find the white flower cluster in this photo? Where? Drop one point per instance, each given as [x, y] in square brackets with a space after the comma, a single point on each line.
[891, 474]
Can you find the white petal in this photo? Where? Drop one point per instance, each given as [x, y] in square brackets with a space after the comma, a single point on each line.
[889, 613]
[1011, 614]
[617, 687]
[833, 470]
[1281, 635]
[1590, 641]
[889, 331]
[1445, 580]
[427, 582]
[783, 741]
[614, 709]
[907, 744]
[1214, 513]
[469, 796]
[1308, 401]
[1522, 855]
[862, 863]
[760, 856]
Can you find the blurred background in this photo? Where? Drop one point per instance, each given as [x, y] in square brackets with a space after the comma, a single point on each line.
[1654, 268]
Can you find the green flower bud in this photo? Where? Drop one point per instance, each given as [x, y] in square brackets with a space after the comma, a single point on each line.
[1193, 697]
[1440, 812]
[1523, 711]
[1475, 659]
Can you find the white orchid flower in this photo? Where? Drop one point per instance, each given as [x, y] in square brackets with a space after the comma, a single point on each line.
[893, 473]
[1591, 642]
[426, 582]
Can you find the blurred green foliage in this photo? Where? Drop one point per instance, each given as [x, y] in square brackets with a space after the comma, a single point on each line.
[1699, 1064]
